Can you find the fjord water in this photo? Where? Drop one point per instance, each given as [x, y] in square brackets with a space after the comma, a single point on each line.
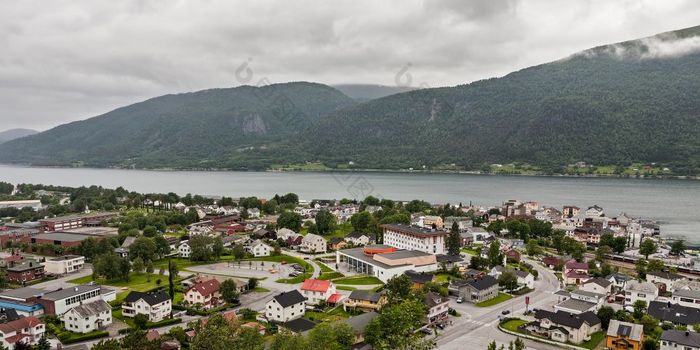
[673, 203]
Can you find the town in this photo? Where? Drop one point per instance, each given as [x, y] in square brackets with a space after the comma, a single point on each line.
[96, 268]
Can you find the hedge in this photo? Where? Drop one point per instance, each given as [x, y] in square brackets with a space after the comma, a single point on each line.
[149, 325]
[70, 337]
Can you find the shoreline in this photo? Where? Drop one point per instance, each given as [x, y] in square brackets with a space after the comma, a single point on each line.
[370, 170]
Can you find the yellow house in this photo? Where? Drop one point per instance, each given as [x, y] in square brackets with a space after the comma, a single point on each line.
[364, 300]
[624, 336]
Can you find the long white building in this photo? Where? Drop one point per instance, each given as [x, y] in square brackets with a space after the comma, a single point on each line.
[385, 262]
[415, 238]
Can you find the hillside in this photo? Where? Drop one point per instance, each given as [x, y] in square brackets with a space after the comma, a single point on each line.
[9, 135]
[614, 104]
[631, 102]
[198, 129]
[368, 92]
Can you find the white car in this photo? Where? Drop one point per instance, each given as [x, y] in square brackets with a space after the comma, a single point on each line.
[459, 300]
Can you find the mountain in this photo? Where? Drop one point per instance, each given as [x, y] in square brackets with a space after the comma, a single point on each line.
[368, 92]
[635, 101]
[630, 102]
[184, 130]
[9, 135]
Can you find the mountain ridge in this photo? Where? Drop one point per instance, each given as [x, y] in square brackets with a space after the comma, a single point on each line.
[617, 104]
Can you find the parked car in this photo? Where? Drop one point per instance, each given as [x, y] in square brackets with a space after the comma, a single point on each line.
[505, 312]
[459, 300]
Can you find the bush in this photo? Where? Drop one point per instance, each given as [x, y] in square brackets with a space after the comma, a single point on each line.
[70, 337]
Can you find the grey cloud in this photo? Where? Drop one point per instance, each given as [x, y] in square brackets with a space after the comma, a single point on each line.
[69, 60]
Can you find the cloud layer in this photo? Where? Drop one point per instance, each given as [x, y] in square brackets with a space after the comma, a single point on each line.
[69, 60]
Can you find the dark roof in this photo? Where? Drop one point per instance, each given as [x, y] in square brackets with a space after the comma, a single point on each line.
[153, 298]
[568, 319]
[666, 275]
[448, 258]
[365, 295]
[356, 234]
[290, 298]
[336, 240]
[674, 313]
[8, 315]
[599, 281]
[483, 283]
[417, 277]
[65, 293]
[685, 338]
[299, 325]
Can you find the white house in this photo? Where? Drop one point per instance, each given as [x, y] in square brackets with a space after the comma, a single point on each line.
[254, 213]
[668, 279]
[597, 285]
[157, 306]
[438, 308]
[64, 264]
[415, 238]
[259, 248]
[26, 329]
[312, 243]
[285, 307]
[316, 291]
[358, 238]
[618, 280]
[635, 290]
[184, 250]
[674, 340]
[204, 293]
[689, 298]
[88, 317]
[384, 262]
[524, 278]
[594, 212]
[61, 300]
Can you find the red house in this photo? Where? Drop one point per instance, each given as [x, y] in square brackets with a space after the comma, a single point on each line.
[513, 255]
[25, 272]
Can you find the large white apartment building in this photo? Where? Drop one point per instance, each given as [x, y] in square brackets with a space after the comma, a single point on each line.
[415, 238]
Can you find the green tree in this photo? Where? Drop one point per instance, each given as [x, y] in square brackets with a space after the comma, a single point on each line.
[361, 221]
[140, 321]
[172, 274]
[43, 343]
[201, 248]
[678, 247]
[252, 283]
[150, 231]
[144, 248]
[605, 314]
[107, 344]
[508, 280]
[325, 222]
[647, 247]
[639, 307]
[394, 327]
[494, 254]
[138, 265]
[289, 220]
[454, 240]
[398, 289]
[641, 267]
[162, 246]
[217, 248]
[533, 248]
[229, 292]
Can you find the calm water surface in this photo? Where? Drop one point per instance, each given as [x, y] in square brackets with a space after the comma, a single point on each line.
[674, 203]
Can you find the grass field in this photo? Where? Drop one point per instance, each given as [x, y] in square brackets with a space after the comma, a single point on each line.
[347, 288]
[137, 281]
[183, 264]
[287, 258]
[497, 300]
[471, 251]
[294, 280]
[359, 280]
[330, 275]
[512, 325]
[596, 338]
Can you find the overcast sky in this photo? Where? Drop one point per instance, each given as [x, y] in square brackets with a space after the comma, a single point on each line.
[69, 60]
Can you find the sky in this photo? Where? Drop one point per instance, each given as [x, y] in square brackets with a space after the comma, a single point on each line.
[63, 61]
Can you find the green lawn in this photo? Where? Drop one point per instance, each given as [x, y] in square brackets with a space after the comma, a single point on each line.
[497, 300]
[287, 258]
[330, 275]
[341, 230]
[596, 338]
[512, 325]
[324, 267]
[348, 288]
[443, 277]
[471, 251]
[137, 281]
[359, 280]
[260, 290]
[295, 280]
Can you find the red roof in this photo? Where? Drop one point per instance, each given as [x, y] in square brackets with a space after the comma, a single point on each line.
[206, 287]
[16, 338]
[14, 258]
[574, 274]
[20, 324]
[230, 315]
[551, 261]
[335, 298]
[152, 335]
[316, 285]
[574, 265]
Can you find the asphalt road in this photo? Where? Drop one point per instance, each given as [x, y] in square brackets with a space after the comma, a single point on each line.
[477, 327]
